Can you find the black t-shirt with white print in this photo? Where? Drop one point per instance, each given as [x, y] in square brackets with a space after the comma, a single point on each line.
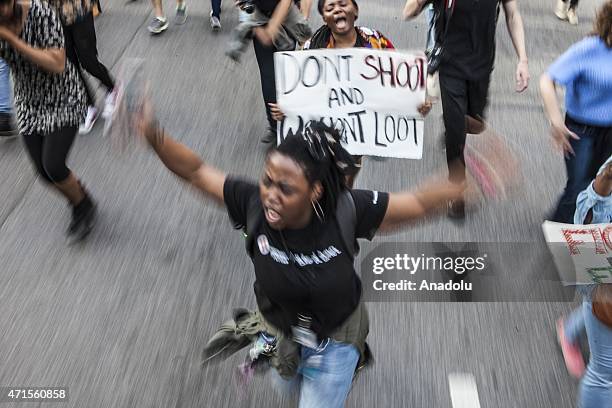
[305, 271]
[469, 46]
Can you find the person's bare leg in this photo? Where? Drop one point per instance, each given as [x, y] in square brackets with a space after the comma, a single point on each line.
[473, 126]
[71, 189]
[157, 8]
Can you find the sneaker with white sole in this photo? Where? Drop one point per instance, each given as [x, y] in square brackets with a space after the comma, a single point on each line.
[109, 104]
[181, 14]
[158, 25]
[572, 17]
[215, 23]
[90, 120]
[561, 10]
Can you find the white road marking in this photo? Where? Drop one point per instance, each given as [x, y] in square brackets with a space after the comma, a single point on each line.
[463, 391]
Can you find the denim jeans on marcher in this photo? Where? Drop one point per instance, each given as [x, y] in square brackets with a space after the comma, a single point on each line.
[596, 385]
[216, 8]
[5, 88]
[324, 376]
[579, 167]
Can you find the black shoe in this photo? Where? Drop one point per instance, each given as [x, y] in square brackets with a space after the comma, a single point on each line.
[270, 136]
[83, 219]
[8, 129]
[456, 209]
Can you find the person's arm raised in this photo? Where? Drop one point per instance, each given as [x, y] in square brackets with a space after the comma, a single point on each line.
[184, 162]
[412, 205]
[52, 60]
[267, 34]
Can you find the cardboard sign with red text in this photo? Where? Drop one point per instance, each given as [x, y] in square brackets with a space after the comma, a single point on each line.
[582, 253]
[372, 96]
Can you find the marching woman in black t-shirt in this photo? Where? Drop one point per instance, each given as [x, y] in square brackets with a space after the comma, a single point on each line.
[50, 99]
[306, 286]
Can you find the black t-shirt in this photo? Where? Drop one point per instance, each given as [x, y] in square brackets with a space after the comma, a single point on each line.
[306, 271]
[469, 47]
[268, 6]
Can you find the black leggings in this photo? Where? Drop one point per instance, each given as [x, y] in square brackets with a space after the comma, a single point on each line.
[265, 61]
[49, 153]
[82, 51]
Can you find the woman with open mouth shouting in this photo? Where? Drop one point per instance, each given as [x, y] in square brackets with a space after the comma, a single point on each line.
[339, 31]
[302, 224]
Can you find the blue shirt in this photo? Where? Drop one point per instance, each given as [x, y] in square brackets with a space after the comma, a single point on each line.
[585, 70]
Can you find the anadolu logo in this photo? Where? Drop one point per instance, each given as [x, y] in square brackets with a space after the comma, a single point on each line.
[263, 244]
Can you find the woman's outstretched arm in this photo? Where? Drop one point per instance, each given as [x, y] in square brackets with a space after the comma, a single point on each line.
[182, 161]
[412, 205]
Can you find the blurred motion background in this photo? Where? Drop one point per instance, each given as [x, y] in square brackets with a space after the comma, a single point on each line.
[122, 318]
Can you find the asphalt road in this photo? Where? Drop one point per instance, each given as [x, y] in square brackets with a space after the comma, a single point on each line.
[122, 318]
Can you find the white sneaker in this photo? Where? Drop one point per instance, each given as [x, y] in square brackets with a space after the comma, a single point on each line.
[572, 17]
[90, 120]
[109, 104]
[215, 24]
[561, 9]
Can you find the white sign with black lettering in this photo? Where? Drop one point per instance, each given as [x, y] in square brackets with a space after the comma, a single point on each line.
[371, 95]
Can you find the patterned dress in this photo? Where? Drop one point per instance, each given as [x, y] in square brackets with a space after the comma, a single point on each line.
[44, 101]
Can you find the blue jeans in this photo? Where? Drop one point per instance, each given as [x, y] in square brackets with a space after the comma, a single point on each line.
[216, 8]
[324, 376]
[5, 88]
[579, 167]
[596, 385]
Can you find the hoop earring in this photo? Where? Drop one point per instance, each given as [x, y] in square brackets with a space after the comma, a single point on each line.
[318, 210]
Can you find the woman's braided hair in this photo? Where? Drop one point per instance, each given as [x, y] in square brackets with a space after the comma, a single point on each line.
[318, 151]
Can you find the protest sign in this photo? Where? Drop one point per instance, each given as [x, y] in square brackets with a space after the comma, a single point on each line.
[582, 253]
[372, 96]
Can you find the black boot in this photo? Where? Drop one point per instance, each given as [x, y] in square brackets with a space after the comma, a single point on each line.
[83, 218]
